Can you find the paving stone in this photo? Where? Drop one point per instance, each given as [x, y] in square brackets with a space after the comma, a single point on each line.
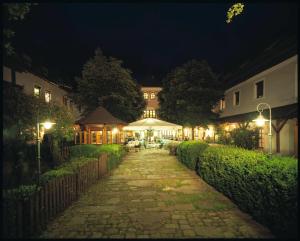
[189, 232]
[152, 195]
[185, 226]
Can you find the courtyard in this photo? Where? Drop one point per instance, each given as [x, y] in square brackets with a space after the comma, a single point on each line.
[152, 195]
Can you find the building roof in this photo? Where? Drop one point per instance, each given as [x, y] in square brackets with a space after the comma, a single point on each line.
[275, 53]
[151, 123]
[100, 116]
[281, 112]
[151, 88]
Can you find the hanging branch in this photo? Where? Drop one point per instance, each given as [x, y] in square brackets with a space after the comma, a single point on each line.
[234, 10]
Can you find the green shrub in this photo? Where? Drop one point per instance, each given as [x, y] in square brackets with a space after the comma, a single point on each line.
[82, 154]
[172, 147]
[264, 187]
[22, 192]
[188, 152]
[224, 138]
[84, 151]
[243, 137]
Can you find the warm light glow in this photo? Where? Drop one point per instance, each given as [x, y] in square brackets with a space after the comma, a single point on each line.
[150, 120]
[47, 124]
[260, 120]
[186, 131]
[115, 130]
[209, 132]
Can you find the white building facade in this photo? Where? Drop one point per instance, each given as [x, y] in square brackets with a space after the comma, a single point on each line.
[277, 86]
[43, 88]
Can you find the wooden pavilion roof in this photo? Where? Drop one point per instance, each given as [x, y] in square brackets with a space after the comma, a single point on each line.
[100, 116]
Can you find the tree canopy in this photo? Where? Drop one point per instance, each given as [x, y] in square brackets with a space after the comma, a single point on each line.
[189, 93]
[105, 82]
[12, 13]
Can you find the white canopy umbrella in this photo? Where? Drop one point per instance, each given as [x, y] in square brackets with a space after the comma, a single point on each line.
[151, 124]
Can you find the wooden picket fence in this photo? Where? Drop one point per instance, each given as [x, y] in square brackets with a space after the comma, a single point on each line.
[28, 217]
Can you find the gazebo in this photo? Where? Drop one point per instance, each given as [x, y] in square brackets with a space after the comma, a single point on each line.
[159, 128]
[99, 127]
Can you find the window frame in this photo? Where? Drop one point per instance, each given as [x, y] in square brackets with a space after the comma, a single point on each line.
[152, 96]
[146, 94]
[40, 91]
[255, 89]
[50, 96]
[222, 103]
[234, 97]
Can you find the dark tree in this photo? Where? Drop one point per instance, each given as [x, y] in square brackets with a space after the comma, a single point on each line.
[105, 82]
[189, 94]
[12, 13]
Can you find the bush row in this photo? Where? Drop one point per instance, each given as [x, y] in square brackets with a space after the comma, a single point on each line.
[81, 155]
[115, 153]
[264, 187]
[188, 152]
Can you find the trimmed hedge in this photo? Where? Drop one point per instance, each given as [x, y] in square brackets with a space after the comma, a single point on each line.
[172, 147]
[81, 155]
[115, 152]
[264, 187]
[188, 152]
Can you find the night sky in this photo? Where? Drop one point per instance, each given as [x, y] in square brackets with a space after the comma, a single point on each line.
[151, 39]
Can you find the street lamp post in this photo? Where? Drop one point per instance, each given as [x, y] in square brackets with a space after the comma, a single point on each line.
[260, 121]
[47, 125]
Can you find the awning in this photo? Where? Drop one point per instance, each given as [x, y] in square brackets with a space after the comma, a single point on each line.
[281, 112]
[151, 124]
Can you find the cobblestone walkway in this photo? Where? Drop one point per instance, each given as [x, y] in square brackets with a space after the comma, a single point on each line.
[152, 195]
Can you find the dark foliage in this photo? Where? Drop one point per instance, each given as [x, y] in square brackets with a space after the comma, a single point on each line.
[189, 94]
[264, 187]
[188, 152]
[105, 82]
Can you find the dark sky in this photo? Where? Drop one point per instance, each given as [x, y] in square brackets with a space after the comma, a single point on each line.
[151, 39]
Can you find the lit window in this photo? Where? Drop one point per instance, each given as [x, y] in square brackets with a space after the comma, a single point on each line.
[222, 104]
[37, 91]
[94, 137]
[65, 100]
[146, 96]
[259, 88]
[47, 96]
[152, 96]
[236, 100]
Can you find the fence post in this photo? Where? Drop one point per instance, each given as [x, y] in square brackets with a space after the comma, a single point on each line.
[26, 218]
[31, 215]
[19, 222]
[103, 164]
[43, 208]
[38, 211]
[76, 185]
